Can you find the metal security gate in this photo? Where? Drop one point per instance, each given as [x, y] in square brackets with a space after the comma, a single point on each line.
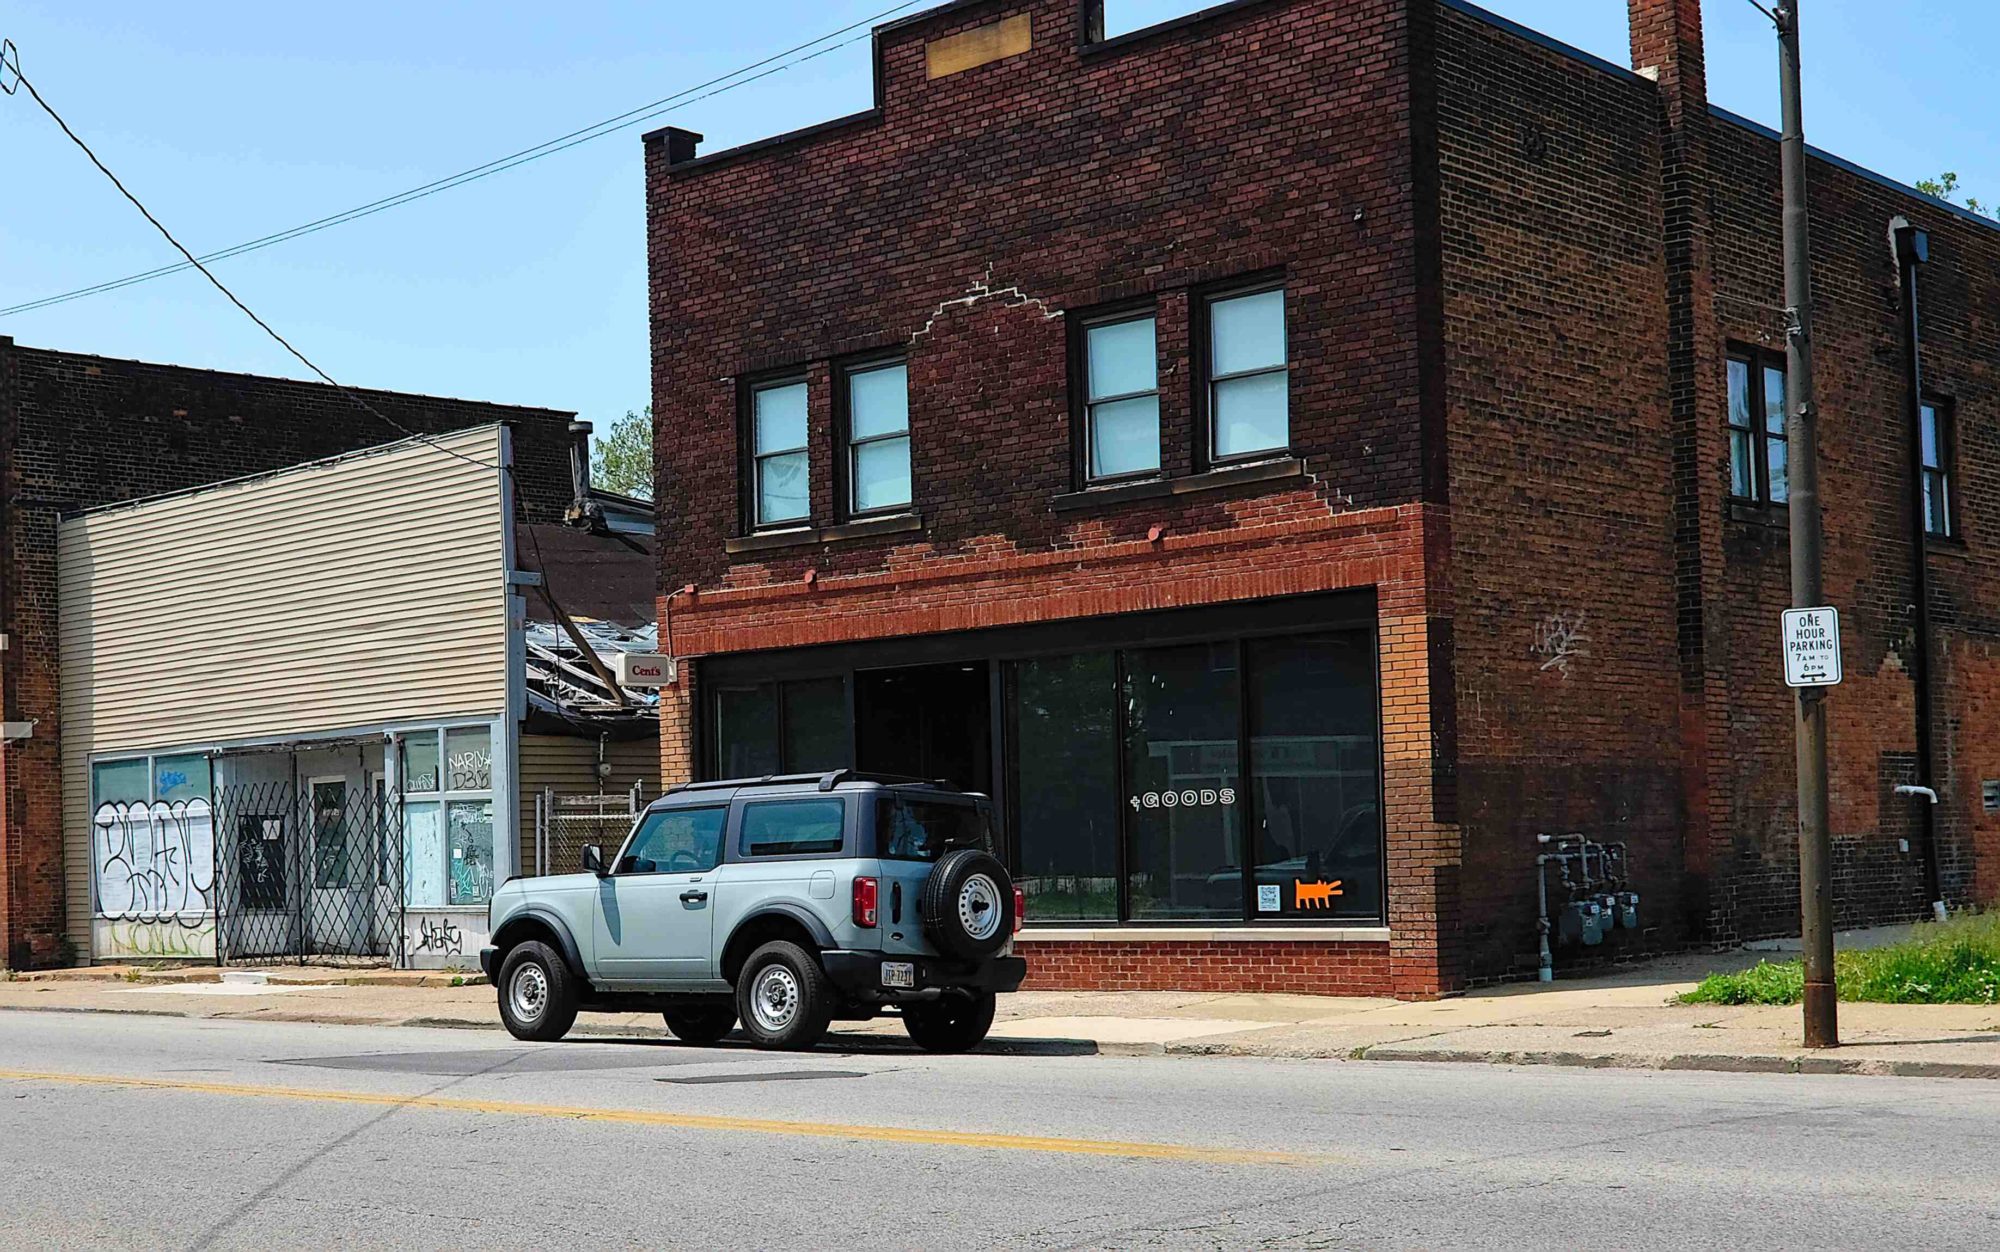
[566, 824]
[311, 870]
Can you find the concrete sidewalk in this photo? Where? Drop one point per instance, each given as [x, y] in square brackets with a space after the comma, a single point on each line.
[1625, 1019]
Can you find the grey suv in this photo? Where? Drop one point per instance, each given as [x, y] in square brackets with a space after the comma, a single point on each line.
[786, 903]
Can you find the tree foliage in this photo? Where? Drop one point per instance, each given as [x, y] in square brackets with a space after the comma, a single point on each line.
[1945, 188]
[622, 460]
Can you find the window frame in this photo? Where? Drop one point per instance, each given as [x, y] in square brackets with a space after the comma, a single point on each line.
[1201, 340]
[737, 851]
[152, 760]
[1944, 413]
[1757, 361]
[625, 848]
[441, 798]
[1085, 405]
[751, 460]
[846, 445]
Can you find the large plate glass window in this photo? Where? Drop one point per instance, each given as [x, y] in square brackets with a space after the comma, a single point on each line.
[152, 836]
[1315, 777]
[878, 438]
[1065, 785]
[779, 471]
[1183, 736]
[1122, 400]
[449, 852]
[797, 727]
[1248, 380]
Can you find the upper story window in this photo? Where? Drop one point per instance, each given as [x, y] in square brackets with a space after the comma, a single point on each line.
[1122, 399]
[878, 438]
[1935, 417]
[1758, 453]
[1248, 383]
[779, 471]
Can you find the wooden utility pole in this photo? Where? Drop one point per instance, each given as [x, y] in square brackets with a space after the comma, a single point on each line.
[1822, 1027]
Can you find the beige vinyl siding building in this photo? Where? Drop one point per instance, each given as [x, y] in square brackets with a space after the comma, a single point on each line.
[337, 628]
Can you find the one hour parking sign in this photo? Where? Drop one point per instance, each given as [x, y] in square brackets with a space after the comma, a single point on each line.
[1812, 647]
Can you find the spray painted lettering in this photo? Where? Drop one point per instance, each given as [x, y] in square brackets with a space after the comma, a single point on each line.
[1559, 641]
[155, 862]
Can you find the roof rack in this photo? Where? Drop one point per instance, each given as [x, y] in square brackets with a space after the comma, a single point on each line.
[826, 782]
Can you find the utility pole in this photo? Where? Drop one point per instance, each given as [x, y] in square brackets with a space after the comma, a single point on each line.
[1822, 1028]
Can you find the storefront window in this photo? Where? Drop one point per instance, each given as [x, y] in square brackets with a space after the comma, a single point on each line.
[152, 837]
[120, 782]
[1065, 786]
[180, 778]
[1315, 777]
[1182, 748]
[449, 854]
[798, 727]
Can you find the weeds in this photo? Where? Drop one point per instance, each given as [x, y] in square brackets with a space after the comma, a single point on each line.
[1957, 962]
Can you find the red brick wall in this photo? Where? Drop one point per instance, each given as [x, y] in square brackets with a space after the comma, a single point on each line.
[1563, 561]
[1309, 968]
[78, 431]
[1864, 480]
[962, 223]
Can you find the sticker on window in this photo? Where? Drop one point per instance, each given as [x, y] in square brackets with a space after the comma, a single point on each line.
[1270, 897]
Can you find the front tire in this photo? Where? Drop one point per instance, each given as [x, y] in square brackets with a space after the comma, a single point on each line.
[953, 1024]
[783, 998]
[538, 998]
[700, 1025]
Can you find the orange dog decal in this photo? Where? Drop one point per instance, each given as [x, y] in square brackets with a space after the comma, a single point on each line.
[1314, 895]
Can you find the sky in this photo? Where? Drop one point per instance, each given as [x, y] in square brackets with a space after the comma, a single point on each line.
[234, 119]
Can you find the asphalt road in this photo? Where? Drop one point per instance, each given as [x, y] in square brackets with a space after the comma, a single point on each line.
[166, 1132]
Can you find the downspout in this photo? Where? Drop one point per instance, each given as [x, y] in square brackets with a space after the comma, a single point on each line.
[1911, 248]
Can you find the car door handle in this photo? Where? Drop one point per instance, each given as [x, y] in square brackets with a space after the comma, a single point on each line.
[694, 897]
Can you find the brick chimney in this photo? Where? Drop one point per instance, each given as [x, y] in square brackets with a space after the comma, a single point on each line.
[1666, 47]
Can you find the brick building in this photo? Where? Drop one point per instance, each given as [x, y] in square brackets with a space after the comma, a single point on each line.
[1294, 455]
[78, 431]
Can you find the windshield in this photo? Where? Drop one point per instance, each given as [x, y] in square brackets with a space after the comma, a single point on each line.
[924, 830]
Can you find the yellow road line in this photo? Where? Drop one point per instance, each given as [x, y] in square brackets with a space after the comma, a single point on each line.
[692, 1121]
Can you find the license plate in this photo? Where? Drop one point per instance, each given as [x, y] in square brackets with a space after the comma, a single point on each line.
[899, 974]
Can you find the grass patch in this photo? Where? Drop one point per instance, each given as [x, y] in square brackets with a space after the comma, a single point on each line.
[1957, 962]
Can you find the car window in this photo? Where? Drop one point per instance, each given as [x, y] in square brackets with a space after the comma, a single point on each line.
[675, 841]
[924, 830]
[791, 827]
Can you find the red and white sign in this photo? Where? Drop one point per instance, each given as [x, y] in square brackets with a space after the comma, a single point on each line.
[644, 669]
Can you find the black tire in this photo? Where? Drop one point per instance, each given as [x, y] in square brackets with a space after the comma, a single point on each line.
[537, 993]
[953, 1024]
[968, 905]
[703, 1025]
[798, 998]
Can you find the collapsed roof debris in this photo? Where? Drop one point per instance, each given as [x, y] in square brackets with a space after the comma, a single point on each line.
[563, 686]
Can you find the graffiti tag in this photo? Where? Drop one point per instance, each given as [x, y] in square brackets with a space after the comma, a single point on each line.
[154, 862]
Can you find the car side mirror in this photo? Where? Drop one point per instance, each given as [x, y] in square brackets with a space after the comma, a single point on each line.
[593, 859]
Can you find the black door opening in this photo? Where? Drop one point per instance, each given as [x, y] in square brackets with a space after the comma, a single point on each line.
[927, 721]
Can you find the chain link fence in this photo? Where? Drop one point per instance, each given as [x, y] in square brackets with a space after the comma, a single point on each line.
[308, 873]
[566, 824]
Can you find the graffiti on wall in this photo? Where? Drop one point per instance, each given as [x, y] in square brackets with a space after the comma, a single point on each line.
[1559, 641]
[155, 863]
[438, 937]
[171, 938]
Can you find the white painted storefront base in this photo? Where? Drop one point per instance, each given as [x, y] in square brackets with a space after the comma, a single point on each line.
[177, 938]
[445, 938]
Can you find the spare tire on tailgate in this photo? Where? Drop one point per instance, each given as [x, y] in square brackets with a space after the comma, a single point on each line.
[968, 904]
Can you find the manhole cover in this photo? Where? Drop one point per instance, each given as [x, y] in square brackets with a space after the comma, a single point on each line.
[501, 1061]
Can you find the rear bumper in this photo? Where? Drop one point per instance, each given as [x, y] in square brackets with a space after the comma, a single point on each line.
[859, 975]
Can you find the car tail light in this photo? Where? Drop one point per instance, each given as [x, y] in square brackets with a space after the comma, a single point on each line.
[867, 894]
[1020, 907]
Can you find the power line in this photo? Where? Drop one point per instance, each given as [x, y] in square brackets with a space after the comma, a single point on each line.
[773, 64]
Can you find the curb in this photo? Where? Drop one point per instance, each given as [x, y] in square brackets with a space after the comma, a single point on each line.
[1707, 1062]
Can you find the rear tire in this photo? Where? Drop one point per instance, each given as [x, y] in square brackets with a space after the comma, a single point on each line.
[952, 1024]
[537, 993]
[784, 998]
[705, 1025]
[967, 904]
